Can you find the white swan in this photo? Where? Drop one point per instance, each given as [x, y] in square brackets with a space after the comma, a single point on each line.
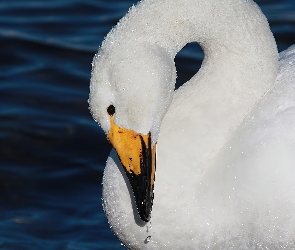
[225, 140]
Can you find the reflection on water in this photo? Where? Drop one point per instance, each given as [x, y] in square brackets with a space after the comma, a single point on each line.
[52, 153]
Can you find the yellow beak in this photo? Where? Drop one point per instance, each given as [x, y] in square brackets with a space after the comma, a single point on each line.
[139, 161]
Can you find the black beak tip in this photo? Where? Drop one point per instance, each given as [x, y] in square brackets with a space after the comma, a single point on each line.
[143, 195]
[145, 217]
[144, 210]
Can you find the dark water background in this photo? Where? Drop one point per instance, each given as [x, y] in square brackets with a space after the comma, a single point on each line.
[52, 154]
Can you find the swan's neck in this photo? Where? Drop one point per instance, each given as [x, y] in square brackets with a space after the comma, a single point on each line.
[239, 67]
[232, 26]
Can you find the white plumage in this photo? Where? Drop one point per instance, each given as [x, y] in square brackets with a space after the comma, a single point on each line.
[225, 174]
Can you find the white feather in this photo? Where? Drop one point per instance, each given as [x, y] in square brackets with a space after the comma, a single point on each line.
[226, 139]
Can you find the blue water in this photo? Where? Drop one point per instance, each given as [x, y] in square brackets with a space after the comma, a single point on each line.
[52, 153]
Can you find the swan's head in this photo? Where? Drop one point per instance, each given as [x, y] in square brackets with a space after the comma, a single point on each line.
[130, 92]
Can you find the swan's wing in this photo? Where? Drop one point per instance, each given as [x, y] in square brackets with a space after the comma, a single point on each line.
[274, 117]
[286, 84]
[262, 150]
[253, 174]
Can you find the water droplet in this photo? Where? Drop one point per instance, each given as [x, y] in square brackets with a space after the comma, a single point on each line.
[147, 239]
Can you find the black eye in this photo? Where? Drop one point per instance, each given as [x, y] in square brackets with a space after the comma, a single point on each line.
[111, 109]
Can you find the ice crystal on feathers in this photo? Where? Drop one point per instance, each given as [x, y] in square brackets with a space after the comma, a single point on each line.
[205, 126]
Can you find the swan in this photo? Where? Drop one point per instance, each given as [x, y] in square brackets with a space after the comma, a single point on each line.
[212, 164]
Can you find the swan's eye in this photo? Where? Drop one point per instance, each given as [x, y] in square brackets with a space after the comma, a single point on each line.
[111, 110]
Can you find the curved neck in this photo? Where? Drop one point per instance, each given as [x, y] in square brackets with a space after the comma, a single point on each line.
[237, 25]
[239, 67]
[231, 32]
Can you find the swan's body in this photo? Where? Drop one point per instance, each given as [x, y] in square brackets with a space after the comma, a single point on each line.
[226, 140]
